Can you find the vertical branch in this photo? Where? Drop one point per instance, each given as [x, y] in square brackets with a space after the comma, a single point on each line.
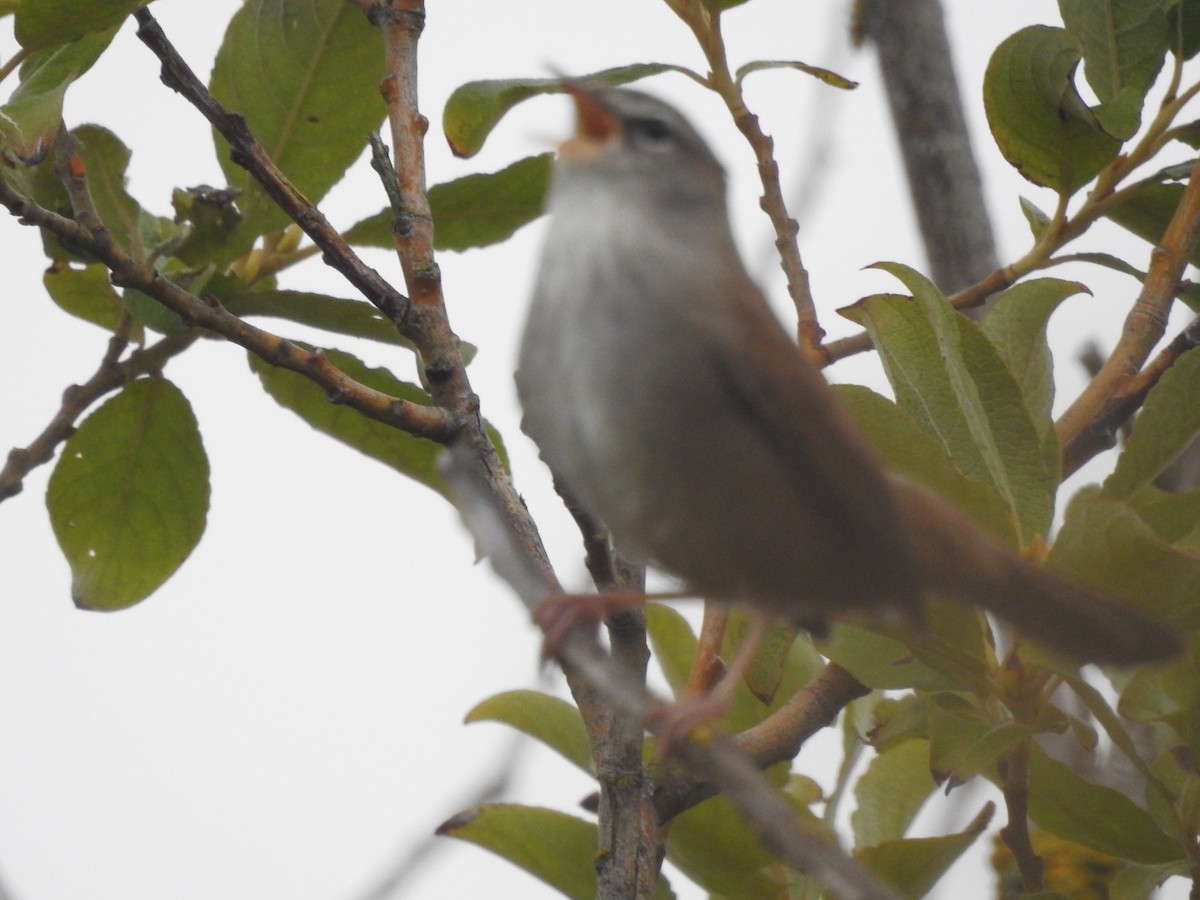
[402, 22]
[629, 849]
[1014, 773]
[927, 114]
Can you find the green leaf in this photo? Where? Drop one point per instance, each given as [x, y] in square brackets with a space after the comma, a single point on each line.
[1139, 882]
[718, 6]
[476, 107]
[674, 643]
[966, 740]
[474, 211]
[557, 848]
[339, 315]
[1169, 420]
[1183, 21]
[712, 844]
[1105, 545]
[1039, 122]
[1097, 817]
[1147, 212]
[882, 662]
[412, 456]
[107, 159]
[831, 78]
[1168, 693]
[1015, 323]
[1175, 517]
[910, 450]
[1037, 219]
[29, 122]
[914, 865]
[950, 378]
[1123, 43]
[129, 496]
[47, 23]
[87, 294]
[30, 119]
[554, 722]
[211, 216]
[890, 792]
[306, 77]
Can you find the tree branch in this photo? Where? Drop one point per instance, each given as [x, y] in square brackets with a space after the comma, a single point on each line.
[1145, 323]
[207, 313]
[1014, 774]
[779, 826]
[776, 739]
[77, 398]
[927, 112]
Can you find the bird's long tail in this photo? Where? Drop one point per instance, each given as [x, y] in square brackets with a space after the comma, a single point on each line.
[954, 556]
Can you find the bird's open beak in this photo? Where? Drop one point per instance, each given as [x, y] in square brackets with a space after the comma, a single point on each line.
[595, 126]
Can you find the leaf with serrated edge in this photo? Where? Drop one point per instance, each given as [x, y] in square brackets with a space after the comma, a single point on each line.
[129, 497]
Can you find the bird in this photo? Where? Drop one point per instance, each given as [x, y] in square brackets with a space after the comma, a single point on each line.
[665, 394]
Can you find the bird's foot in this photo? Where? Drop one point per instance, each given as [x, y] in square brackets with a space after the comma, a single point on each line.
[559, 613]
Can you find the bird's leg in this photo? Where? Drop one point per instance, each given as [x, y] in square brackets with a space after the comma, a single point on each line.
[557, 614]
[707, 665]
[698, 705]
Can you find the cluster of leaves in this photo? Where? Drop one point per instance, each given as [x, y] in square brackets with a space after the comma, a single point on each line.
[971, 419]
[306, 77]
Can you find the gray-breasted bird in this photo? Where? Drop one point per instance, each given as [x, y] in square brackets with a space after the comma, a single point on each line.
[662, 390]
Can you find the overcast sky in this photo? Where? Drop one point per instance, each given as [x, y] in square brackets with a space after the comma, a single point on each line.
[284, 717]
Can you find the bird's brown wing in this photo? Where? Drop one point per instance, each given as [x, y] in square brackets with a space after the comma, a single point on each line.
[832, 466]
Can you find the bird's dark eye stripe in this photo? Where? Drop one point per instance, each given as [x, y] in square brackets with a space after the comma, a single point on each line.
[655, 129]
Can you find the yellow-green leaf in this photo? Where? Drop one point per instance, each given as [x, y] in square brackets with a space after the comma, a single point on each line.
[129, 497]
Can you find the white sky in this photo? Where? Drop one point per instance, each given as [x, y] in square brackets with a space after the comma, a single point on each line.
[284, 717]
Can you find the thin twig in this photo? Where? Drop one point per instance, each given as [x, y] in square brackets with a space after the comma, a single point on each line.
[248, 153]
[1146, 320]
[1101, 432]
[706, 26]
[423, 421]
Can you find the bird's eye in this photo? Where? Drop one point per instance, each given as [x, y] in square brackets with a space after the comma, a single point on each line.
[654, 131]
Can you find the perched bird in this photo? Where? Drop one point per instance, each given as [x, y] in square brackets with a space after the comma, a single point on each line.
[663, 391]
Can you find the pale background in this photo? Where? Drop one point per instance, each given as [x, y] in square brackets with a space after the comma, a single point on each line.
[283, 719]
